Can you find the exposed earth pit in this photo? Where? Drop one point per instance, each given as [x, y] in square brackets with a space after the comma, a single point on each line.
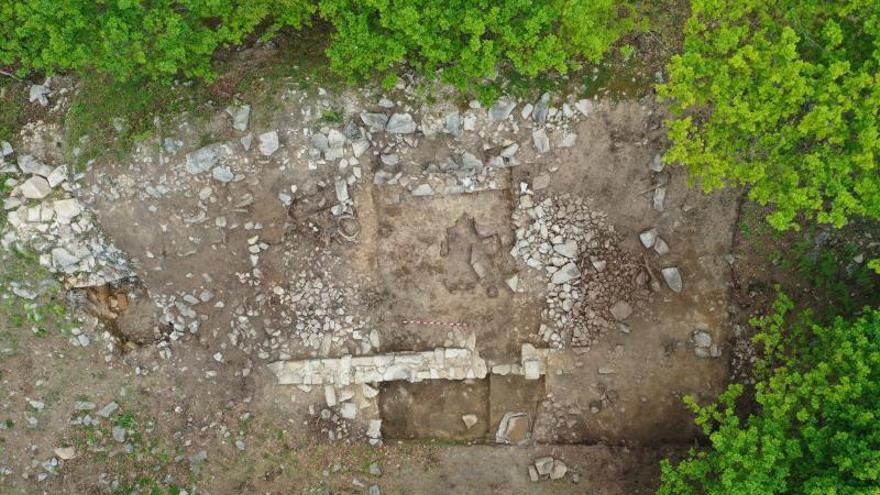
[488, 275]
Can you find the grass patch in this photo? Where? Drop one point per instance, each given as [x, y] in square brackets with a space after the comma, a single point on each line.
[45, 314]
[13, 96]
[829, 268]
[148, 465]
[821, 268]
[111, 117]
[43, 311]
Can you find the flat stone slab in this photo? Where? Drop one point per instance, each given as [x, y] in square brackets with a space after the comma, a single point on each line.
[450, 363]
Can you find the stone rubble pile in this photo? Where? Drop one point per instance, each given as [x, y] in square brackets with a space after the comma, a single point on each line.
[467, 171]
[592, 284]
[547, 468]
[317, 312]
[44, 212]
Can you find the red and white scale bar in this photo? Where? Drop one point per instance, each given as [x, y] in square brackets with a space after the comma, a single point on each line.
[435, 323]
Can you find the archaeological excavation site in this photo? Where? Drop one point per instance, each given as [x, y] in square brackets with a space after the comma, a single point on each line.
[527, 278]
[430, 248]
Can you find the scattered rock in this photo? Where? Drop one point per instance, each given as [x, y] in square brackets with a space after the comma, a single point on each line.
[30, 165]
[656, 164]
[648, 237]
[542, 109]
[342, 190]
[533, 474]
[703, 346]
[35, 188]
[222, 174]
[38, 94]
[513, 283]
[65, 453]
[501, 109]
[268, 143]
[469, 420]
[108, 410]
[118, 433]
[621, 310]
[569, 249]
[246, 141]
[544, 465]
[660, 247]
[566, 274]
[557, 472]
[240, 116]
[390, 159]
[401, 123]
[673, 278]
[348, 410]
[198, 458]
[659, 198]
[423, 190]
[58, 176]
[202, 159]
[541, 141]
[374, 120]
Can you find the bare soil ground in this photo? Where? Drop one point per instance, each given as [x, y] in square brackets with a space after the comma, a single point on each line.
[233, 277]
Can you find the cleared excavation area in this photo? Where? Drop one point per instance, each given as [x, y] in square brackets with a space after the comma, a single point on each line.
[527, 276]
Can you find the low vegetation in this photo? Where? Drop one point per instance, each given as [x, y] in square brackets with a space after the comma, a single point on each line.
[30, 300]
[817, 425]
[146, 462]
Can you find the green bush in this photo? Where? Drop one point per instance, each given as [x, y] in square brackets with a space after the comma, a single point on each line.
[817, 427]
[158, 39]
[134, 39]
[782, 96]
[467, 40]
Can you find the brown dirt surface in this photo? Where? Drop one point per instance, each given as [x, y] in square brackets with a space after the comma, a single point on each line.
[301, 256]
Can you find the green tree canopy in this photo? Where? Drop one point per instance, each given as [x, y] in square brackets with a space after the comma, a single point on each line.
[469, 39]
[465, 40]
[131, 39]
[782, 96]
[817, 428]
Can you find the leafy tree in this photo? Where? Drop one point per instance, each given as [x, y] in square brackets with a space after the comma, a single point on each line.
[782, 96]
[468, 40]
[127, 39]
[817, 428]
